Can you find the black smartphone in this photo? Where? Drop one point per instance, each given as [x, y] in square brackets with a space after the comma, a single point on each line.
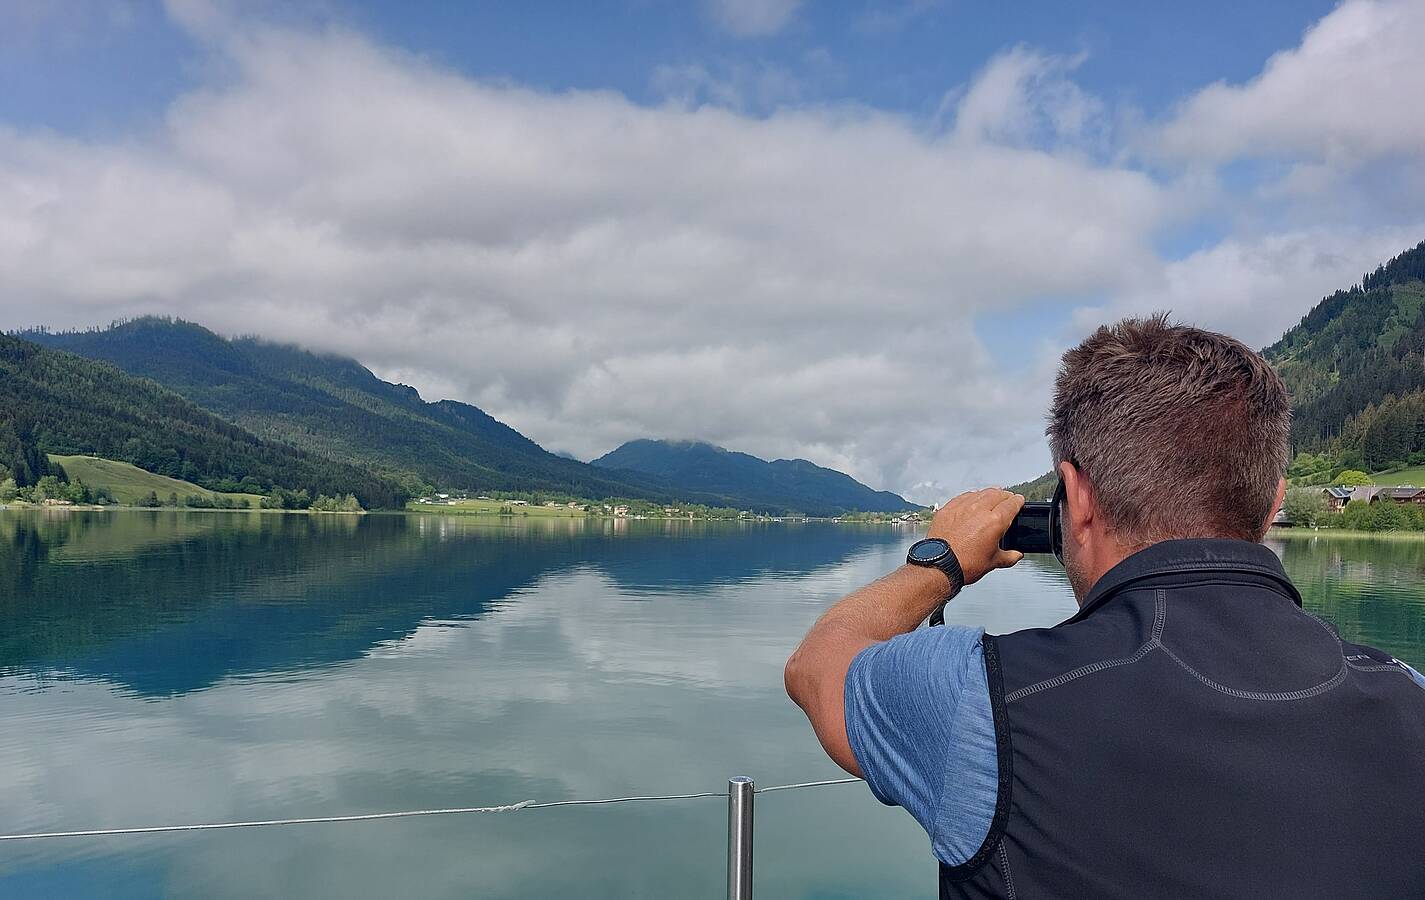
[1032, 530]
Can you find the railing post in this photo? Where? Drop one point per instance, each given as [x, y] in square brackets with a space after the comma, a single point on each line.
[739, 838]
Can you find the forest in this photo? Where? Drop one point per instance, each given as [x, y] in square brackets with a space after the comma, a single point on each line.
[1355, 369]
[55, 402]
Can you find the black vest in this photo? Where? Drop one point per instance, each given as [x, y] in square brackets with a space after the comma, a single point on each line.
[1191, 732]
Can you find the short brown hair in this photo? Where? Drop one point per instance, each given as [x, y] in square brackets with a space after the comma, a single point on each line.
[1182, 432]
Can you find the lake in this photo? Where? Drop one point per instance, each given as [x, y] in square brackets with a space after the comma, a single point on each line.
[167, 666]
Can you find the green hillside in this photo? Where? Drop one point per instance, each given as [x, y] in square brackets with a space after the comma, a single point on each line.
[66, 405]
[1355, 367]
[129, 483]
[337, 408]
[1411, 475]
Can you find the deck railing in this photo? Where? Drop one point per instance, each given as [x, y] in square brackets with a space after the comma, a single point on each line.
[740, 793]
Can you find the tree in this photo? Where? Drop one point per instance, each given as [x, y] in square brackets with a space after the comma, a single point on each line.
[1305, 507]
[281, 498]
[149, 500]
[1389, 516]
[8, 491]
[78, 492]
[1354, 478]
[49, 488]
[1307, 464]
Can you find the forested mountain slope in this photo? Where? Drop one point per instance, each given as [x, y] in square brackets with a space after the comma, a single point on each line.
[1355, 367]
[786, 483]
[57, 402]
[337, 408]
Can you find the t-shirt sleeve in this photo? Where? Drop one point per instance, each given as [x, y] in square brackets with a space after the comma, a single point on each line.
[907, 701]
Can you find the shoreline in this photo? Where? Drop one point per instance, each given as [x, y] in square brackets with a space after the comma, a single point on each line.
[122, 507]
[751, 520]
[1344, 534]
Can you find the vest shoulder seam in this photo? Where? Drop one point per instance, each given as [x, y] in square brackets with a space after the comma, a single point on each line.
[1269, 696]
[1160, 611]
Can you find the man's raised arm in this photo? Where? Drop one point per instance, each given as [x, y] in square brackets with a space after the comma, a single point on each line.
[973, 525]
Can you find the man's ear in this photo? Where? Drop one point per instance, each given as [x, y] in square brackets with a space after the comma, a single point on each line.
[1079, 508]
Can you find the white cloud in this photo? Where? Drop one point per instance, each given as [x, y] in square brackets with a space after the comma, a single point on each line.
[796, 282]
[1350, 93]
[752, 18]
[1023, 96]
[587, 269]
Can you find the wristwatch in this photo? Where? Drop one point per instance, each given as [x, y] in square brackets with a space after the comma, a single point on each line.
[935, 553]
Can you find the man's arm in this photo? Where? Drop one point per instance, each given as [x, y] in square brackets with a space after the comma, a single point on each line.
[973, 525]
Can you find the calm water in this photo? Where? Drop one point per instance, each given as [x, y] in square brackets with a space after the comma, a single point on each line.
[166, 666]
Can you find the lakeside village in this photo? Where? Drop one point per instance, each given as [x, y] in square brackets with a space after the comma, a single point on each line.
[1354, 507]
[1356, 503]
[115, 485]
[543, 505]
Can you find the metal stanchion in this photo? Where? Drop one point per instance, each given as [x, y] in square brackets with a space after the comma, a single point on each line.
[739, 838]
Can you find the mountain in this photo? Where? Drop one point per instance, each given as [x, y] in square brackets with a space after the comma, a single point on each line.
[338, 409]
[792, 484]
[56, 402]
[1355, 367]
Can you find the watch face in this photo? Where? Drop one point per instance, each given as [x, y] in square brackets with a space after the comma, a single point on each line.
[928, 550]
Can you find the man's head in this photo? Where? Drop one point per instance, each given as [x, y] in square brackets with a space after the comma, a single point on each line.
[1164, 431]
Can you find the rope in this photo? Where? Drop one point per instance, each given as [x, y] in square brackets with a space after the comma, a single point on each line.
[531, 805]
[402, 814]
[804, 784]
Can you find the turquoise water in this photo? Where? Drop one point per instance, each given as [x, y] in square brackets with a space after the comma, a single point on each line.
[175, 666]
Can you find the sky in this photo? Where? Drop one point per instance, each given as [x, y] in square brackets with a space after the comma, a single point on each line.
[853, 232]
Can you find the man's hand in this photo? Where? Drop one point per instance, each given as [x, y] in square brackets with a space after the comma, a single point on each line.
[973, 525]
[816, 674]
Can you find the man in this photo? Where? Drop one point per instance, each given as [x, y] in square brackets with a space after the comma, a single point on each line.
[1190, 732]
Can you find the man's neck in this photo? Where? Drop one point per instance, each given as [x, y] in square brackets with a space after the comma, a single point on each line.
[1083, 575]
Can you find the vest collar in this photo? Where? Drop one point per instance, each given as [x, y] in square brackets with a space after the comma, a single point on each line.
[1192, 555]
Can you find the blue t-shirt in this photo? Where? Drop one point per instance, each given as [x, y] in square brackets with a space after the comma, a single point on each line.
[919, 721]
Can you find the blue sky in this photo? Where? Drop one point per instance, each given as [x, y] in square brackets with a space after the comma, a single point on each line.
[101, 76]
[773, 224]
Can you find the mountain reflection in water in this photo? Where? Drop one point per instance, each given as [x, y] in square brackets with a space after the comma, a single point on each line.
[174, 666]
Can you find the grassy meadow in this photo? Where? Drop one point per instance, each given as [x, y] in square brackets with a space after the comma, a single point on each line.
[129, 483]
[1415, 475]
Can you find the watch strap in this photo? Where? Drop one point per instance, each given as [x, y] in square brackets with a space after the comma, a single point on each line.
[950, 565]
[947, 563]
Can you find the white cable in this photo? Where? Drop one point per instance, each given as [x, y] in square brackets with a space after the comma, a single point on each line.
[806, 784]
[403, 814]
